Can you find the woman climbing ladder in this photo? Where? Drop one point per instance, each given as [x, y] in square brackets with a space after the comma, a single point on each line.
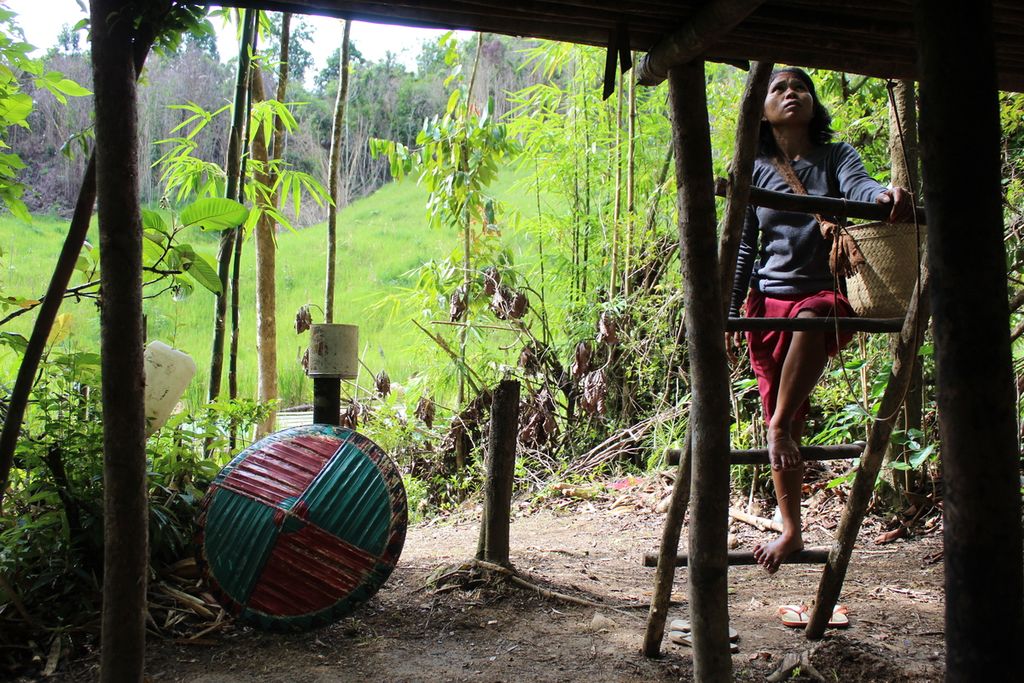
[792, 265]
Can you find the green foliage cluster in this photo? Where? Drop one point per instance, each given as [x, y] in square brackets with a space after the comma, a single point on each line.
[51, 529]
[16, 105]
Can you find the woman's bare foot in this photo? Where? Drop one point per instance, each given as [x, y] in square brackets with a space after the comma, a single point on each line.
[783, 452]
[771, 555]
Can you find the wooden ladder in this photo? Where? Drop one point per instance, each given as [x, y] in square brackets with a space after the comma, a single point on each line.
[836, 560]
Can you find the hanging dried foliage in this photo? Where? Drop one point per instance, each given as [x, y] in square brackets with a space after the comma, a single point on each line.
[305, 361]
[530, 359]
[607, 329]
[508, 304]
[492, 278]
[581, 360]
[350, 418]
[537, 420]
[425, 410]
[595, 390]
[303, 319]
[468, 423]
[457, 304]
[383, 383]
[518, 306]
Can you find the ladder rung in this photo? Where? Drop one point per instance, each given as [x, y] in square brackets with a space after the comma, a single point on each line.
[803, 324]
[759, 456]
[746, 557]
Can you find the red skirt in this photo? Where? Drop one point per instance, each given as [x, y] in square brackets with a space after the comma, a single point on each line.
[768, 348]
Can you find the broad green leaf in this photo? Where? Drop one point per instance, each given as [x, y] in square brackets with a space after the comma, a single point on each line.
[152, 253]
[203, 273]
[152, 220]
[14, 341]
[214, 213]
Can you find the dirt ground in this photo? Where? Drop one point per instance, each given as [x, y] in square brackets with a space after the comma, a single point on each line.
[589, 548]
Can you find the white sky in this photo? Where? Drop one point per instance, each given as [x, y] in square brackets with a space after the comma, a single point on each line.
[42, 20]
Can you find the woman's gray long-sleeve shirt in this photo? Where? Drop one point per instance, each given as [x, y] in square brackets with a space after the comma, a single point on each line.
[783, 252]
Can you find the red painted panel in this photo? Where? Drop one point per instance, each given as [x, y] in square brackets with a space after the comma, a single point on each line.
[281, 469]
[308, 570]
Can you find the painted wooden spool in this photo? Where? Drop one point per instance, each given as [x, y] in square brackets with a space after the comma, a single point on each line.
[301, 527]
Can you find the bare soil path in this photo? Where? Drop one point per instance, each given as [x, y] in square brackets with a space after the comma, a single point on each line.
[591, 549]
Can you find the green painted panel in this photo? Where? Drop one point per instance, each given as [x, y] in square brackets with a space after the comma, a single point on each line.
[350, 500]
[238, 538]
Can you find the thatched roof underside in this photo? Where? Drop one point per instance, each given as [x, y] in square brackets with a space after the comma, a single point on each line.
[870, 37]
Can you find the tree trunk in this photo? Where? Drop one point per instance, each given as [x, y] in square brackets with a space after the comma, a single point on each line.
[709, 417]
[461, 450]
[226, 248]
[125, 527]
[975, 392]
[332, 212]
[266, 257]
[903, 156]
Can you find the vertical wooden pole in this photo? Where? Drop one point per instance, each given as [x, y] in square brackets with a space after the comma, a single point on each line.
[125, 516]
[904, 361]
[501, 460]
[709, 415]
[666, 571]
[740, 171]
[904, 158]
[739, 191]
[975, 393]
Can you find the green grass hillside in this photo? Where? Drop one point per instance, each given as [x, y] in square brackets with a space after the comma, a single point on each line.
[382, 239]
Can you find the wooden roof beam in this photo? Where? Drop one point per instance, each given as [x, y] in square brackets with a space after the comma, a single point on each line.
[705, 27]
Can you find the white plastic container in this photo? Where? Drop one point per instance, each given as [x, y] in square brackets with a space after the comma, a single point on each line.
[168, 372]
[333, 351]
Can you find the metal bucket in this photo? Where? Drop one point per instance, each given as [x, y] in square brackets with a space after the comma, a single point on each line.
[333, 351]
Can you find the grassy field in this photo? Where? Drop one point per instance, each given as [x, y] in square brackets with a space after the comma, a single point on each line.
[382, 239]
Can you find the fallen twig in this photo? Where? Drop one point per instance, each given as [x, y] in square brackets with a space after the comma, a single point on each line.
[762, 523]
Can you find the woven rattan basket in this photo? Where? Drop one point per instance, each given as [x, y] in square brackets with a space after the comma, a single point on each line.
[884, 285]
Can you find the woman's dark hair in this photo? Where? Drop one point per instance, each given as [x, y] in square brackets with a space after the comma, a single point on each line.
[819, 127]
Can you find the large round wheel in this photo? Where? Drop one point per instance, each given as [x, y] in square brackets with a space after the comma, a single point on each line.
[302, 526]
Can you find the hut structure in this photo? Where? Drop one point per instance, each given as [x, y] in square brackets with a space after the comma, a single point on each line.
[960, 52]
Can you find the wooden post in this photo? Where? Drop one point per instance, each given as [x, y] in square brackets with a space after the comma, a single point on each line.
[900, 376]
[501, 460]
[665, 574]
[975, 392]
[740, 171]
[125, 517]
[709, 416]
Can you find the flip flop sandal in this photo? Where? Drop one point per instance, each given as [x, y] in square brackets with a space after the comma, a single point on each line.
[684, 626]
[686, 638]
[797, 616]
[794, 616]
[839, 618]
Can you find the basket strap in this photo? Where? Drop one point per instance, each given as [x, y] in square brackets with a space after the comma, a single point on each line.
[845, 258]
